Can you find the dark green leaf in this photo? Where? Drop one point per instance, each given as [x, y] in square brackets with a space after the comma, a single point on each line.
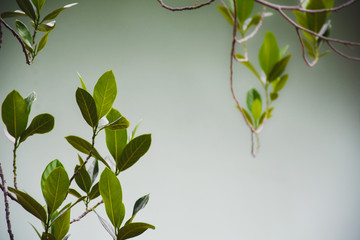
[61, 226]
[82, 179]
[244, 9]
[93, 170]
[224, 11]
[85, 147]
[133, 151]
[87, 107]
[120, 123]
[16, 13]
[140, 203]
[105, 92]
[133, 229]
[74, 193]
[111, 193]
[27, 7]
[14, 114]
[29, 101]
[55, 188]
[47, 27]
[269, 53]
[281, 83]
[47, 236]
[24, 34]
[30, 204]
[251, 95]
[274, 96]
[43, 42]
[48, 169]
[41, 124]
[94, 193]
[278, 68]
[56, 12]
[107, 226]
[38, 4]
[262, 117]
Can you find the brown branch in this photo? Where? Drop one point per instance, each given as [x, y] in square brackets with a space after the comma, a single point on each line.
[18, 38]
[86, 212]
[185, 8]
[341, 53]
[7, 209]
[310, 64]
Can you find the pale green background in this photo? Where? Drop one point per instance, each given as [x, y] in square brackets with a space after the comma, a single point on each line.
[172, 71]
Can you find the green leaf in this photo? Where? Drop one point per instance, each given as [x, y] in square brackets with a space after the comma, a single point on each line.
[47, 236]
[83, 179]
[269, 53]
[16, 13]
[27, 7]
[248, 116]
[283, 51]
[116, 140]
[30, 204]
[105, 92]
[256, 109]
[251, 96]
[281, 83]
[74, 193]
[249, 66]
[62, 225]
[274, 96]
[262, 117]
[120, 123]
[38, 4]
[278, 68]
[139, 204]
[29, 101]
[56, 12]
[315, 21]
[93, 170]
[94, 193]
[37, 232]
[224, 11]
[244, 9]
[309, 47]
[107, 226]
[41, 124]
[82, 82]
[133, 229]
[48, 169]
[111, 193]
[14, 114]
[85, 147]
[134, 130]
[133, 151]
[87, 107]
[47, 27]
[55, 188]
[24, 34]
[43, 42]
[255, 20]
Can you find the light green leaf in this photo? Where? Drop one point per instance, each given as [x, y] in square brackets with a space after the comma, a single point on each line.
[42, 123]
[133, 151]
[134, 130]
[29, 101]
[24, 34]
[87, 107]
[56, 12]
[244, 9]
[105, 92]
[281, 83]
[278, 68]
[83, 179]
[55, 188]
[14, 114]
[38, 4]
[16, 13]
[251, 96]
[248, 116]
[224, 11]
[249, 66]
[133, 229]
[82, 82]
[43, 42]
[111, 193]
[48, 169]
[255, 20]
[30, 204]
[256, 109]
[27, 7]
[283, 51]
[62, 225]
[269, 53]
[47, 27]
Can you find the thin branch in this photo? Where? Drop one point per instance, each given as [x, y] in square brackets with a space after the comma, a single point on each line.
[18, 38]
[14, 164]
[310, 64]
[7, 209]
[185, 8]
[255, 31]
[86, 212]
[341, 53]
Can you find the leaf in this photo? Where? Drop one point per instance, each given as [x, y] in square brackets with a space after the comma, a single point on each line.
[133, 229]
[82, 82]
[14, 114]
[62, 225]
[94, 193]
[37, 232]
[244, 9]
[133, 151]
[93, 170]
[56, 12]
[67, 207]
[30, 204]
[85, 147]
[43, 42]
[281, 83]
[55, 188]
[225, 12]
[48, 169]
[283, 51]
[16, 13]
[82, 179]
[74, 193]
[47, 27]
[315, 21]
[309, 47]
[41, 124]
[27, 7]
[269, 53]
[29, 101]
[134, 130]
[120, 123]
[278, 68]
[248, 116]
[87, 107]
[24, 34]
[105, 91]
[139, 204]
[251, 95]
[8, 136]
[274, 96]
[47, 236]
[256, 109]
[249, 66]
[116, 140]
[38, 4]
[107, 226]
[255, 20]
[111, 193]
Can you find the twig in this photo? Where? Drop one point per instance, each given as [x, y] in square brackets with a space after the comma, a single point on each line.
[14, 164]
[18, 38]
[310, 64]
[255, 31]
[7, 209]
[341, 53]
[86, 212]
[184, 8]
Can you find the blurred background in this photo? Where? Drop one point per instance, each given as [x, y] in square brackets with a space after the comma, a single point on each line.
[172, 72]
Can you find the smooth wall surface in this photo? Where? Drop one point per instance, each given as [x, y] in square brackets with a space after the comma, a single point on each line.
[172, 71]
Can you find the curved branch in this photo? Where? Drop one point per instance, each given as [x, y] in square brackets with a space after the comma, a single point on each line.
[7, 210]
[185, 8]
[18, 38]
[310, 64]
[341, 53]
[255, 31]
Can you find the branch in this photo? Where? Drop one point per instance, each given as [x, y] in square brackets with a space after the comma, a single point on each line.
[86, 212]
[185, 8]
[310, 64]
[341, 53]
[7, 209]
[18, 38]
[254, 32]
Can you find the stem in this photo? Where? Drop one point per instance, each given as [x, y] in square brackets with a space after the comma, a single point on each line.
[184, 8]
[16, 145]
[86, 212]
[7, 209]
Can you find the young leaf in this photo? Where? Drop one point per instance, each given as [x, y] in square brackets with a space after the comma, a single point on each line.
[269, 53]
[55, 188]
[249, 66]
[94, 193]
[254, 21]
[41, 124]
[87, 107]
[82, 82]
[248, 116]
[61, 226]
[107, 226]
[83, 179]
[24, 34]
[278, 68]
[274, 96]
[47, 27]
[56, 12]
[118, 124]
[93, 170]
[30, 204]
[139, 204]
[256, 109]
[48, 169]
[111, 193]
[14, 114]
[134, 130]
[29, 101]
[224, 11]
[27, 7]
[105, 92]
[16, 13]
[283, 51]
[85, 147]
[251, 96]
[133, 151]
[133, 229]
[244, 9]
[37, 232]
[281, 83]
[38, 4]
[74, 193]
[43, 42]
